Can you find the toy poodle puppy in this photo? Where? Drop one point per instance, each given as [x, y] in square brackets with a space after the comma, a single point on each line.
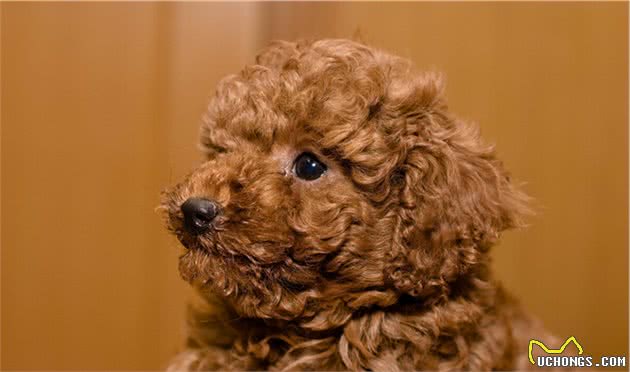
[342, 221]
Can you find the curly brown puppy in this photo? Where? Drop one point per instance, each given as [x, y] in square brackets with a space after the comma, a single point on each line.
[342, 220]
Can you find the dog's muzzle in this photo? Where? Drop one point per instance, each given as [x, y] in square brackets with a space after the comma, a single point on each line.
[199, 214]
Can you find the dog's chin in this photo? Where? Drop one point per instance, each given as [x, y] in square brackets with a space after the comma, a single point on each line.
[200, 264]
[194, 266]
[206, 270]
[226, 278]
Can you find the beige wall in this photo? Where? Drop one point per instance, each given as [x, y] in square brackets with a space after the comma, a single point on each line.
[100, 111]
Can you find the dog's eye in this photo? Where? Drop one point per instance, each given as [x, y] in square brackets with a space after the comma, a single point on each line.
[308, 167]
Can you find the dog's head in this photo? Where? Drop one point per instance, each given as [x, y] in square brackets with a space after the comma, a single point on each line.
[336, 179]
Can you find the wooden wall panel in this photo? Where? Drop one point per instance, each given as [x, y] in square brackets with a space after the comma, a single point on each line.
[103, 104]
[78, 169]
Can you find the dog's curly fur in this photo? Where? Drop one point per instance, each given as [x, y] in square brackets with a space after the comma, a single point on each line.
[380, 264]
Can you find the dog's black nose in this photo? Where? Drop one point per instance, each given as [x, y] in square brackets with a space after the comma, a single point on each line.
[198, 214]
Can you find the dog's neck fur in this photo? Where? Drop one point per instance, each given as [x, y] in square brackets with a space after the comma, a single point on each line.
[469, 330]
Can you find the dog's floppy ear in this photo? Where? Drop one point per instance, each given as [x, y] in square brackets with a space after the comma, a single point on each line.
[455, 196]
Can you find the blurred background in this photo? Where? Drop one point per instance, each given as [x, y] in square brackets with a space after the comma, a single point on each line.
[101, 105]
